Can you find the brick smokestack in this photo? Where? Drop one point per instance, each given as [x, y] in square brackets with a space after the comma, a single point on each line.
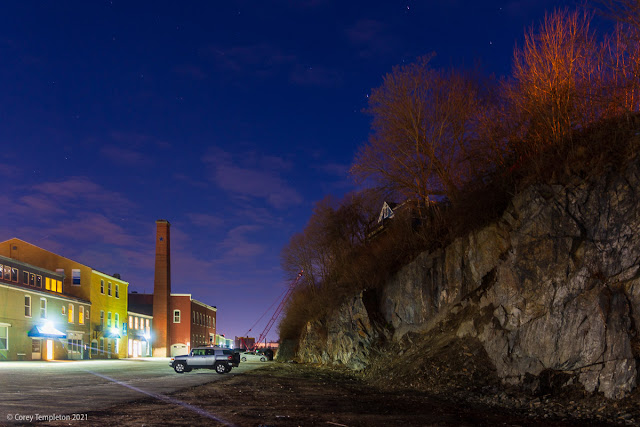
[162, 291]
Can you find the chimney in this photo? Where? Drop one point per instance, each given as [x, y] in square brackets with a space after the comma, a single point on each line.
[162, 291]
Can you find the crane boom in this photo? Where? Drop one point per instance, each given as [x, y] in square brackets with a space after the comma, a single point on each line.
[276, 313]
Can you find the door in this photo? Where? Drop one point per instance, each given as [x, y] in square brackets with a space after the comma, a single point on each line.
[74, 346]
[36, 349]
[198, 358]
[49, 346]
[178, 350]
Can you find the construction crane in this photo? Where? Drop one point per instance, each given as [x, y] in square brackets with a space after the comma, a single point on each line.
[275, 316]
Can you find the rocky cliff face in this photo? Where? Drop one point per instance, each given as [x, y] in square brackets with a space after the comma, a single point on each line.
[553, 285]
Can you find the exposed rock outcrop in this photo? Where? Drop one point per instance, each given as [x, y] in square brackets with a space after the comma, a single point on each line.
[553, 285]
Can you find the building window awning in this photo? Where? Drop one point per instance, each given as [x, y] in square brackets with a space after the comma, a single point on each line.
[46, 331]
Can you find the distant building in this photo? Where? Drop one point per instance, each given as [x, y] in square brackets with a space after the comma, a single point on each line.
[411, 210]
[192, 323]
[139, 333]
[244, 342]
[269, 344]
[221, 341]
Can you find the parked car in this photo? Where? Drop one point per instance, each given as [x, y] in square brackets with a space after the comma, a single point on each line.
[252, 357]
[220, 359]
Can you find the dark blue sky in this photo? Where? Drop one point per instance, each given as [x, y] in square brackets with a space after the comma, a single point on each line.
[229, 119]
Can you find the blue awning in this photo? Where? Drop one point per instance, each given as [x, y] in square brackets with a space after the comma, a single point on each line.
[45, 332]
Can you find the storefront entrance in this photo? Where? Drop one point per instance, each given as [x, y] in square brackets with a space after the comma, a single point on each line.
[36, 349]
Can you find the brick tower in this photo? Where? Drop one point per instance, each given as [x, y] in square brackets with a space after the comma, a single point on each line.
[162, 291]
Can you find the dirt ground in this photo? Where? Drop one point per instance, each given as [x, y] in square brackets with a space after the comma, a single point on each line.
[289, 394]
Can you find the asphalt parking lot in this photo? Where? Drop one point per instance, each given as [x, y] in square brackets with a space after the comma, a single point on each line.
[29, 389]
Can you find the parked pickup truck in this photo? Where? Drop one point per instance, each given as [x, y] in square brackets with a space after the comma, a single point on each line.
[220, 359]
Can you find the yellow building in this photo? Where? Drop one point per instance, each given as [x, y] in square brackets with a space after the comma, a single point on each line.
[108, 295]
[109, 315]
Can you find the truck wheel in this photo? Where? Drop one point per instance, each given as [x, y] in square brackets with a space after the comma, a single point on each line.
[228, 368]
[179, 368]
[244, 359]
[262, 359]
[220, 368]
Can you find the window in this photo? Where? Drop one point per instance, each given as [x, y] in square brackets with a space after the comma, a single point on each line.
[117, 291]
[108, 319]
[75, 277]
[193, 313]
[14, 274]
[64, 310]
[70, 317]
[135, 322]
[39, 281]
[101, 318]
[176, 316]
[25, 277]
[7, 272]
[101, 286]
[81, 315]
[101, 345]
[47, 284]
[213, 322]
[59, 286]
[109, 288]
[43, 308]
[4, 337]
[27, 306]
[117, 320]
[147, 327]
[32, 279]
[74, 346]
[130, 322]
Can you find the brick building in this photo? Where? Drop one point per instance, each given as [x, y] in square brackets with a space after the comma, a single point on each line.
[179, 321]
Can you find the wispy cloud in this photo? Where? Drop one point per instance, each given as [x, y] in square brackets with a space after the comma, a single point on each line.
[205, 220]
[125, 155]
[8, 170]
[258, 59]
[81, 220]
[94, 227]
[370, 37]
[238, 245]
[79, 188]
[251, 181]
[190, 70]
[316, 76]
[340, 170]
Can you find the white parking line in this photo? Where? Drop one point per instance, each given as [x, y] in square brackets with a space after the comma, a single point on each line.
[165, 399]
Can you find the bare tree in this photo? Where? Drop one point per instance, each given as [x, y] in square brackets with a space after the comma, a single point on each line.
[554, 76]
[335, 231]
[422, 130]
[626, 12]
[624, 53]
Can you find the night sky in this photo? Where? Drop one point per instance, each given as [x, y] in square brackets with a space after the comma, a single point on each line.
[228, 119]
